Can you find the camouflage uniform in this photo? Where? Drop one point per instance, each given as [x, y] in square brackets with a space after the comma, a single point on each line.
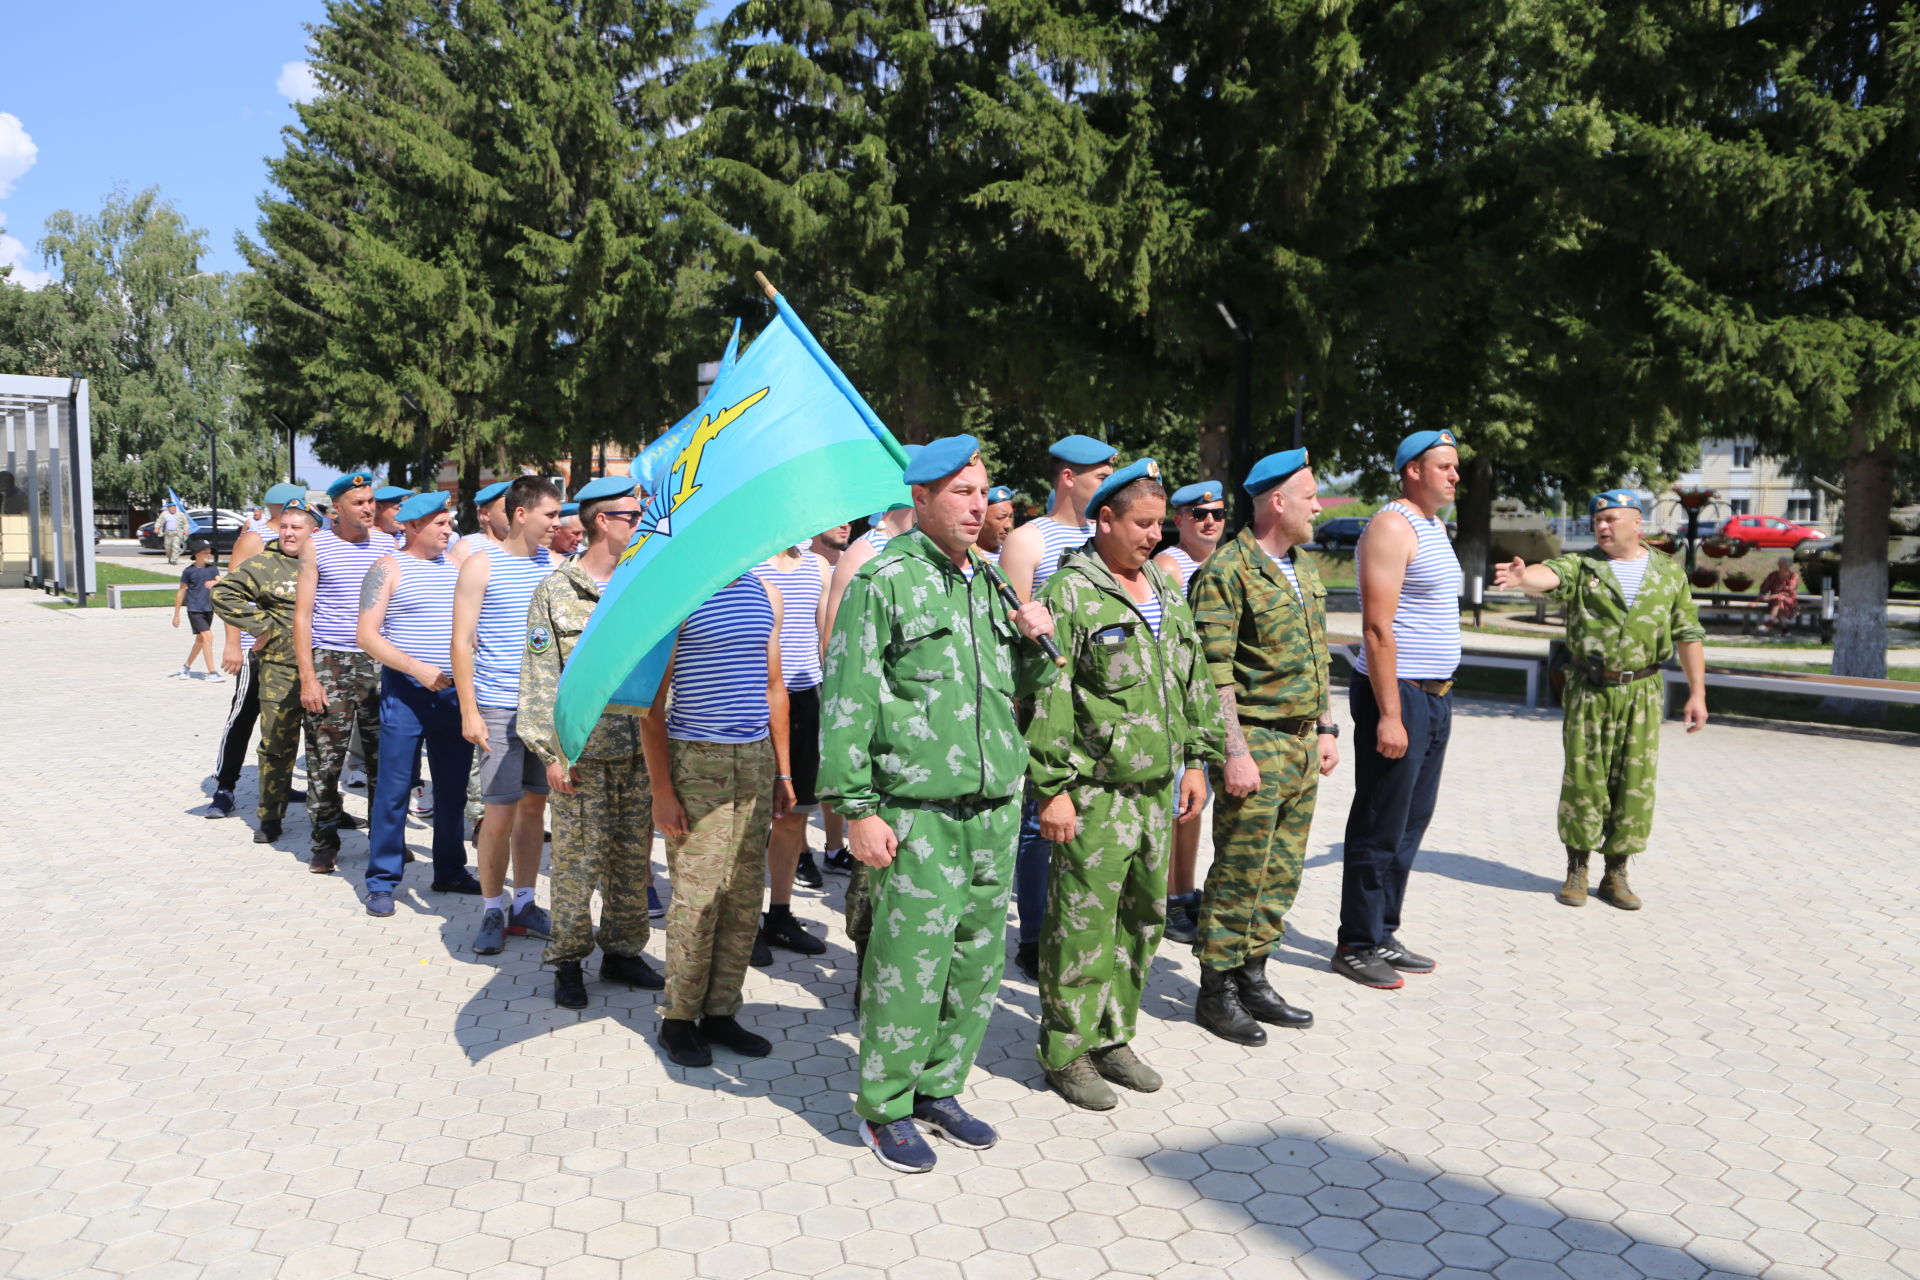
[1132, 710]
[718, 867]
[917, 727]
[1270, 646]
[257, 596]
[1612, 734]
[173, 538]
[603, 832]
[352, 684]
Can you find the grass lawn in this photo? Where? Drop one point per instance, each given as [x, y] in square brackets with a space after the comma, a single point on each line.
[108, 574]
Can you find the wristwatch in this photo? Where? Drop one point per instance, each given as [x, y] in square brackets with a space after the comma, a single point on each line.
[1331, 730]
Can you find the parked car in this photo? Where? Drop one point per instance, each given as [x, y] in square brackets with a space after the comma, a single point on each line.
[1340, 533]
[1768, 531]
[231, 524]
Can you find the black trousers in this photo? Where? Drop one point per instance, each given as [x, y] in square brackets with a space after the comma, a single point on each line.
[242, 713]
[1393, 802]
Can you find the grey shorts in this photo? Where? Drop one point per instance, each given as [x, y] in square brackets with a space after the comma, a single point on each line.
[509, 771]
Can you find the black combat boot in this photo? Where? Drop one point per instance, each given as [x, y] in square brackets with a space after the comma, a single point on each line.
[632, 970]
[569, 987]
[1220, 1011]
[1260, 1000]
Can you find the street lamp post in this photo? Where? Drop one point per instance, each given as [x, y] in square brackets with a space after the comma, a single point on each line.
[213, 481]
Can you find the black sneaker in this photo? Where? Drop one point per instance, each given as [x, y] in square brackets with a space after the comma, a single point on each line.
[1404, 960]
[297, 797]
[348, 822]
[721, 1029]
[267, 832]
[762, 955]
[684, 1044]
[1366, 966]
[1027, 957]
[840, 862]
[462, 883]
[785, 932]
[632, 970]
[807, 874]
[569, 987]
[221, 806]
[1183, 925]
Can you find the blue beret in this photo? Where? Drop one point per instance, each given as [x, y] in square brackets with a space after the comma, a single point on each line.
[421, 505]
[1082, 451]
[941, 459]
[1418, 443]
[1144, 468]
[1202, 491]
[569, 509]
[283, 492]
[604, 487]
[491, 492]
[1613, 498]
[301, 504]
[391, 493]
[1273, 469]
[352, 480]
[999, 493]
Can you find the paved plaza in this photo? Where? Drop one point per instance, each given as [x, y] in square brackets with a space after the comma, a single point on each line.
[213, 1064]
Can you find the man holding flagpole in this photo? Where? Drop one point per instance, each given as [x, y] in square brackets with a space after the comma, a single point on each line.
[922, 754]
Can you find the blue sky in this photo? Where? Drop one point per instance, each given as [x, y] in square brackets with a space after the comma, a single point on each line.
[186, 95]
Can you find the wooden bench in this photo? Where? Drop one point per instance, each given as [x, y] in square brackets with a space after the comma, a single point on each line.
[1534, 668]
[1813, 684]
[114, 592]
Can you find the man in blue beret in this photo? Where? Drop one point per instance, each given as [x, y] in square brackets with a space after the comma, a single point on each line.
[1410, 585]
[1628, 609]
[1118, 747]
[386, 508]
[998, 524]
[1078, 465]
[923, 756]
[1199, 521]
[490, 509]
[339, 682]
[406, 625]
[570, 533]
[1262, 616]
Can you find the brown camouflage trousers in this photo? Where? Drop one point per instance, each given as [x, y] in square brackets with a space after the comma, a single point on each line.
[352, 684]
[1259, 848]
[602, 836]
[718, 869]
[1612, 742]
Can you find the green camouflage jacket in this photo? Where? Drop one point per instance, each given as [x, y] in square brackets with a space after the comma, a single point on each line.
[257, 597]
[557, 615]
[922, 670]
[1131, 707]
[1258, 636]
[1600, 626]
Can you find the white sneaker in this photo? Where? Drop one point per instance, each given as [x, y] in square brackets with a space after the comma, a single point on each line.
[218, 677]
[184, 673]
[422, 802]
[353, 778]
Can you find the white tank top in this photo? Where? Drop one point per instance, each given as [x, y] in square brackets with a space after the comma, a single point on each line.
[1426, 626]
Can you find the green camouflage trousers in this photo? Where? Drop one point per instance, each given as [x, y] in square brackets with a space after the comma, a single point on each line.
[1612, 741]
[281, 716]
[939, 916]
[1259, 847]
[1106, 910]
[175, 543]
[602, 836]
[352, 684]
[718, 869]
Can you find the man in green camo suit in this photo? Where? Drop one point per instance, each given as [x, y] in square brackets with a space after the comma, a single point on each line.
[601, 806]
[1134, 711]
[1262, 617]
[921, 753]
[257, 596]
[1628, 609]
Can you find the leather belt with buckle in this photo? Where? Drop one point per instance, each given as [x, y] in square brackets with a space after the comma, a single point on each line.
[1601, 675]
[1438, 688]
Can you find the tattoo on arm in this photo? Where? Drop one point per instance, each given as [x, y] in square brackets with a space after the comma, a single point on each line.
[1230, 712]
[371, 584]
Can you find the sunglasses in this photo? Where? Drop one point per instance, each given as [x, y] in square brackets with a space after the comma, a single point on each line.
[1207, 513]
[631, 517]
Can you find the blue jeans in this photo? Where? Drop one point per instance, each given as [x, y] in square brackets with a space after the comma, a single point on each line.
[409, 716]
[1392, 804]
[1033, 856]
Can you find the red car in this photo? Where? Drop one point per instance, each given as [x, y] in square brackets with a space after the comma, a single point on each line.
[1768, 531]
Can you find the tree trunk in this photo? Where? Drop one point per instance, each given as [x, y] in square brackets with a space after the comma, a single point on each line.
[1860, 620]
[580, 465]
[1473, 513]
[467, 520]
[1216, 447]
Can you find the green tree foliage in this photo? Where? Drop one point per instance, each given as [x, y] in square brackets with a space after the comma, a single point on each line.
[161, 343]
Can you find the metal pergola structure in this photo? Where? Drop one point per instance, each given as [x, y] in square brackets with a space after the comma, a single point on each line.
[46, 487]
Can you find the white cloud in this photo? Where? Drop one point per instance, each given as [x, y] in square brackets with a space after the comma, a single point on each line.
[17, 151]
[297, 83]
[14, 254]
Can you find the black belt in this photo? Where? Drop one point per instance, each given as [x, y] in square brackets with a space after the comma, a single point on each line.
[1603, 676]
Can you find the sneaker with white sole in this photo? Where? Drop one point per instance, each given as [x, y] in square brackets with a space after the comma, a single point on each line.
[899, 1145]
[422, 803]
[216, 677]
[184, 673]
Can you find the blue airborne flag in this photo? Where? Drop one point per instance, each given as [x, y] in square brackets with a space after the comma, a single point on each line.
[782, 447]
[193, 526]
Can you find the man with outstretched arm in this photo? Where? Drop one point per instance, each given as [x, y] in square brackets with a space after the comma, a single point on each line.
[921, 752]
